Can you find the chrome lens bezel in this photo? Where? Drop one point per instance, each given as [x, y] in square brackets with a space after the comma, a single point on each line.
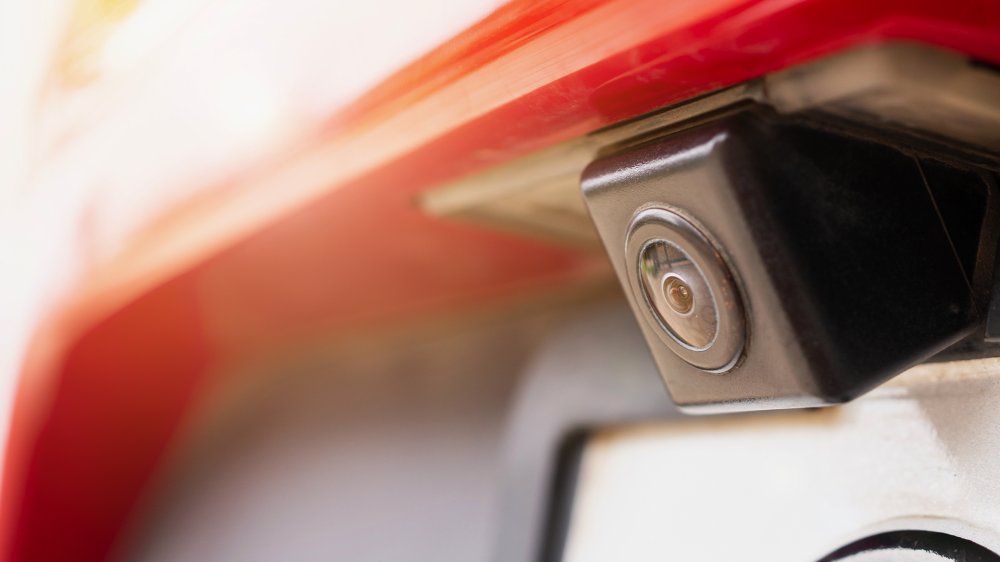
[655, 224]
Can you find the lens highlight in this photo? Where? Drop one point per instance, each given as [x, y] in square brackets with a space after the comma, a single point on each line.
[679, 294]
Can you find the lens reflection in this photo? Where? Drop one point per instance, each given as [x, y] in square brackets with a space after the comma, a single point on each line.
[679, 294]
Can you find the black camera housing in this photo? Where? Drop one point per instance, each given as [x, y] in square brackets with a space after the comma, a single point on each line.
[857, 253]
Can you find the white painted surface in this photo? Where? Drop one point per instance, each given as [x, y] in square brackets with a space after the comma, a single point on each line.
[795, 486]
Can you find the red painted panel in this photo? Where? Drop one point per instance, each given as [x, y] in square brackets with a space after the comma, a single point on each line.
[120, 396]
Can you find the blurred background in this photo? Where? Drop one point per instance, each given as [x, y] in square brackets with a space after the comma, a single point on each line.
[260, 410]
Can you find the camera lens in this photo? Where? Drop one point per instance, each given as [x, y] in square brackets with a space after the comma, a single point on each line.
[679, 294]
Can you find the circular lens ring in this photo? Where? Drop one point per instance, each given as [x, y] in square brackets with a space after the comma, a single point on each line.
[660, 224]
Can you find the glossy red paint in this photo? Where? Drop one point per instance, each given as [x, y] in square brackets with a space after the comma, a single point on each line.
[113, 414]
[364, 255]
